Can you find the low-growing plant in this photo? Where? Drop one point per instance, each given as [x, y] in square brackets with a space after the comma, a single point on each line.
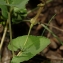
[28, 45]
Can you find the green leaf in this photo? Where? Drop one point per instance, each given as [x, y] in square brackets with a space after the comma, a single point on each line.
[2, 2]
[18, 59]
[20, 4]
[19, 42]
[17, 3]
[34, 45]
[4, 11]
[20, 9]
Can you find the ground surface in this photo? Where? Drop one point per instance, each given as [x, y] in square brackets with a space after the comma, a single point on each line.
[53, 52]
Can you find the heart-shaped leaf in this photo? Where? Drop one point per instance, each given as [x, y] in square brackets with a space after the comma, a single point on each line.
[33, 46]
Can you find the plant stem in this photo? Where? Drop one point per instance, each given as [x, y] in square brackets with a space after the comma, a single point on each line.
[34, 20]
[2, 40]
[51, 33]
[28, 34]
[10, 29]
[5, 30]
[9, 20]
[61, 30]
[32, 10]
[48, 23]
[26, 39]
[3, 37]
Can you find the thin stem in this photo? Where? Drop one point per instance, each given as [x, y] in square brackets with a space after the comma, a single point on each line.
[38, 13]
[2, 40]
[32, 10]
[34, 20]
[5, 30]
[9, 20]
[10, 29]
[7, 1]
[51, 33]
[48, 23]
[28, 34]
[41, 6]
[26, 39]
[54, 27]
